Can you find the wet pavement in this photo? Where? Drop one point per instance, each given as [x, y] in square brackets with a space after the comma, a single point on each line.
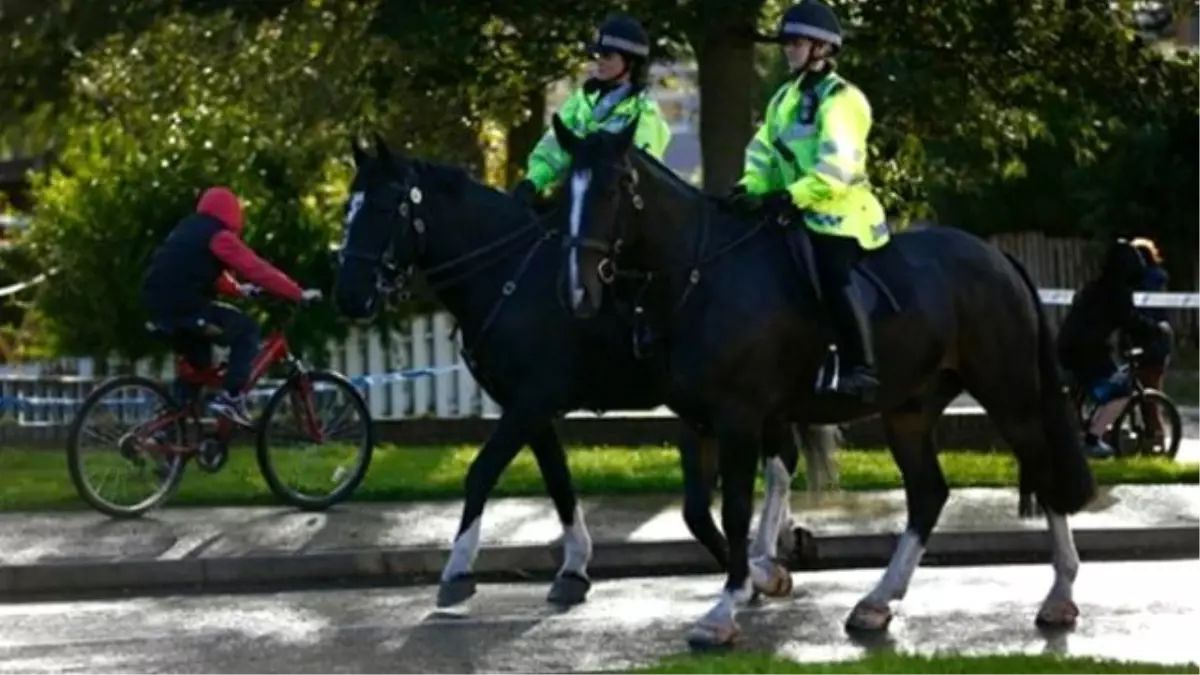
[179, 533]
[1144, 611]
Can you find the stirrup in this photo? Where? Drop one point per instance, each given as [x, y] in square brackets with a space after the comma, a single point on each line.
[861, 383]
[860, 378]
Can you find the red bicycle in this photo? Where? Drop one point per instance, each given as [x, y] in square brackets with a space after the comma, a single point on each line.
[167, 430]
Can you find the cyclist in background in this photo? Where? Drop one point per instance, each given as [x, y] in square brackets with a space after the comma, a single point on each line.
[187, 271]
[1102, 307]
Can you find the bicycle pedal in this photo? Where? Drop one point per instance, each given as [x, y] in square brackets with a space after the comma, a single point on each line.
[212, 455]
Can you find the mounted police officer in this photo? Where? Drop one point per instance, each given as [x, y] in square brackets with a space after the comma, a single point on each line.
[608, 101]
[808, 160]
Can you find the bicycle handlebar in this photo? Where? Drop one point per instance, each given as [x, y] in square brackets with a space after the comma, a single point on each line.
[289, 308]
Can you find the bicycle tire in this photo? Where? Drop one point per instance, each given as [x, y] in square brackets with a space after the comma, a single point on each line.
[267, 468]
[74, 455]
[1172, 421]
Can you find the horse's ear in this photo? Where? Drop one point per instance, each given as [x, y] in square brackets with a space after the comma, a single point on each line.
[566, 138]
[625, 137]
[360, 155]
[381, 148]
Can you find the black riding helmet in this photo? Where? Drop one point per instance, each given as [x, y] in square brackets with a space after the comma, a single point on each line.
[624, 35]
[811, 19]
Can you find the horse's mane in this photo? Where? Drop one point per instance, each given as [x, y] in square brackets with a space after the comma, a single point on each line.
[454, 181]
[665, 174]
[443, 176]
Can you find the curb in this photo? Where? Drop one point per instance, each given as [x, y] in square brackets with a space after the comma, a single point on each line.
[407, 566]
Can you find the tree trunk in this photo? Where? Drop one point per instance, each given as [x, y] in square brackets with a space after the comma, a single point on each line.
[522, 137]
[725, 60]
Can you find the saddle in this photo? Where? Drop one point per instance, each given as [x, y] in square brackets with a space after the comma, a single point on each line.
[871, 287]
[877, 297]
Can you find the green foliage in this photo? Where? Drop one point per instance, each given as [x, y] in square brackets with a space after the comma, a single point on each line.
[189, 103]
[991, 115]
[998, 116]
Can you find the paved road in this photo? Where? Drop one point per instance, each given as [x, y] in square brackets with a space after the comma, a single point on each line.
[1130, 610]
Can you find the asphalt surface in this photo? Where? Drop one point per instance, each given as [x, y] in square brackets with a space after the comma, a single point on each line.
[1144, 611]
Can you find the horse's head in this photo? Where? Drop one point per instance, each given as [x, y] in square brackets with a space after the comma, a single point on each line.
[600, 193]
[382, 234]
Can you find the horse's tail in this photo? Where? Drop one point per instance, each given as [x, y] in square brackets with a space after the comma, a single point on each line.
[1067, 484]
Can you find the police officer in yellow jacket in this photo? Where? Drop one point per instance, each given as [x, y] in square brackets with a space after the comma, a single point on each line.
[608, 101]
[809, 158]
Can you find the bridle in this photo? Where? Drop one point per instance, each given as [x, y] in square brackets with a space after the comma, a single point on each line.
[611, 267]
[390, 280]
[407, 217]
[608, 267]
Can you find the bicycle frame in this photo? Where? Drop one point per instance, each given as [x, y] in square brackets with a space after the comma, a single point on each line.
[275, 349]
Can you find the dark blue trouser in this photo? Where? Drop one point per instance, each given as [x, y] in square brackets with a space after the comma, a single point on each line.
[238, 332]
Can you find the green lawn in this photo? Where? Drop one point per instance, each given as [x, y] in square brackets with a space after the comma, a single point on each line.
[37, 479]
[906, 663]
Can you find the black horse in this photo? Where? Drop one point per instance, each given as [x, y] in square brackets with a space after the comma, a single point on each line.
[496, 269]
[746, 338]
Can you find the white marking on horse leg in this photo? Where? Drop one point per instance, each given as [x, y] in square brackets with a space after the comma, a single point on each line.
[1066, 557]
[905, 559]
[580, 181]
[719, 624]
[462, 555]
[577, 546]
[778, 480]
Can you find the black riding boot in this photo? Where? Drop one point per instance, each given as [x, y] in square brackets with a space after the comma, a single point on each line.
[856, 347]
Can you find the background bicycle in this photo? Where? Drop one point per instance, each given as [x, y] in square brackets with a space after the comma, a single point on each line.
[1149, 424]
[133, 436]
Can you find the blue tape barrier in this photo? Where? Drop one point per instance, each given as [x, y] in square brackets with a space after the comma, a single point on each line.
[19, 403]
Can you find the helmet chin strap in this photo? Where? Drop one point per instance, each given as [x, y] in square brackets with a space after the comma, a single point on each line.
[814, 60]
[626, 71]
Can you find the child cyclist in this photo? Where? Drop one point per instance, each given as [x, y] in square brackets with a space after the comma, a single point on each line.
[186, 272]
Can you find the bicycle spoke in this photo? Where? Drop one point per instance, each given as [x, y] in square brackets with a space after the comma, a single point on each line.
[117, 470]
[303, 465]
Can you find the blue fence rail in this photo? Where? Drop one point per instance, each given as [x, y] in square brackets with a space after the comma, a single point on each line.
[55, 401]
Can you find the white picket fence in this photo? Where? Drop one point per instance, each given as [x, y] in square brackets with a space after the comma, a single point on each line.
[49, 393]
[426, 344]
[417, 372]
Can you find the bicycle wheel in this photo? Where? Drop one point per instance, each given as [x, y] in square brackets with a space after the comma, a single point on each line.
[143, 450]
[315, 478]
[1133, 434]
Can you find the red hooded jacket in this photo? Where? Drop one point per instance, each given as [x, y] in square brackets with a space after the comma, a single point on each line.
[220, 203]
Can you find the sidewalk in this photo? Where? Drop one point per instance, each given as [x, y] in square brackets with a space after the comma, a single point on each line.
[633, 535]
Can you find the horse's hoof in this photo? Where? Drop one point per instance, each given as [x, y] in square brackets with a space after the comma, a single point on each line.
[867, 616]
[455, 591]
[1058, 614]
[569, 588]
[771, 578]
[705, 635]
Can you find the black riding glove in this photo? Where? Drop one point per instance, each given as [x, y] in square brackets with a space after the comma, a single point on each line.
[525, 192]
[779, 203]
[740, 201]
